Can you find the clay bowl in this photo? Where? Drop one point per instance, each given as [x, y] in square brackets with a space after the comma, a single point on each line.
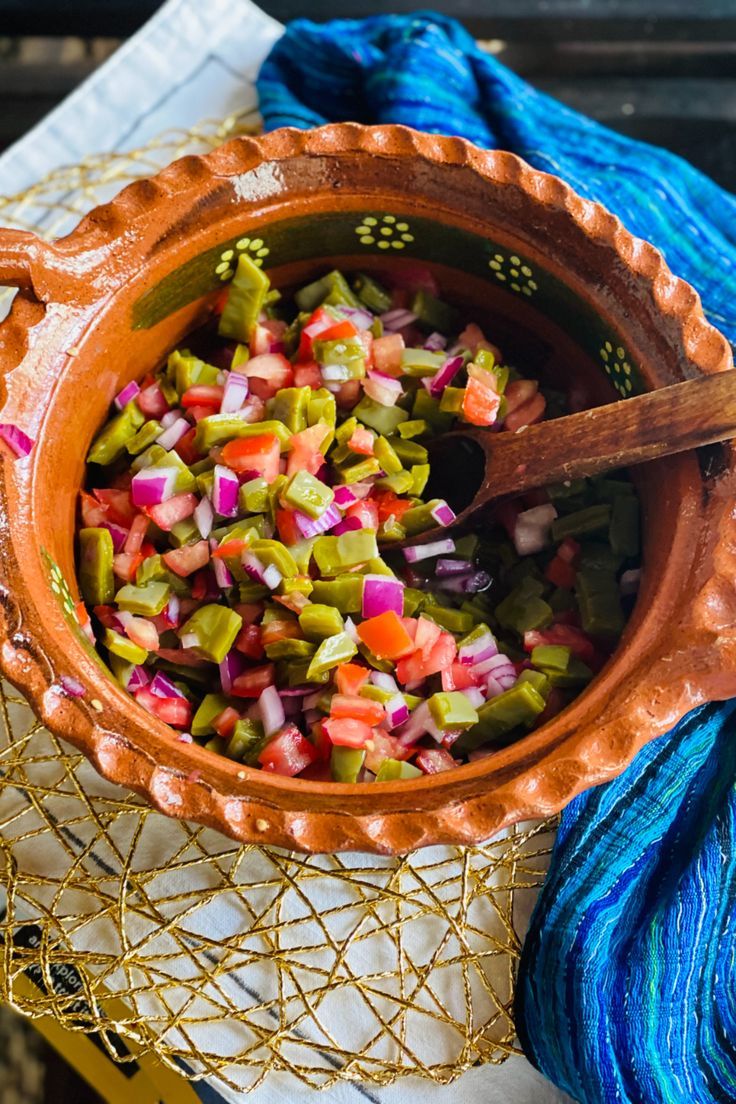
[566, 292]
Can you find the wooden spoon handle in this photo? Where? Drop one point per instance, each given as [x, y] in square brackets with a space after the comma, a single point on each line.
[671, 419]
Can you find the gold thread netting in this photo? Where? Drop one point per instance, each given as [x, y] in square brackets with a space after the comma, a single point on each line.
[240, 960]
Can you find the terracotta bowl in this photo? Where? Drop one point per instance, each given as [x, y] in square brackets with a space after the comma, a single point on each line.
[565, 291]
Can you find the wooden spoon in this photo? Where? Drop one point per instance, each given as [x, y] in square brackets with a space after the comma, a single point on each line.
[472, 468]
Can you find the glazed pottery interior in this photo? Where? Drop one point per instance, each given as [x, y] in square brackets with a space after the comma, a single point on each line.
[551, 292]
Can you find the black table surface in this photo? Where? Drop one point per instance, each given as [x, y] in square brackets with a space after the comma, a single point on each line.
[660, 70]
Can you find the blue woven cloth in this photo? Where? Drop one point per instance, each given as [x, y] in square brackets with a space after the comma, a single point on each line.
[626, 989]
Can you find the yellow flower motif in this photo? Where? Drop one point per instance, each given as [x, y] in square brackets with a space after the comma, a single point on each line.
[617, 368]
[514, 272]
[384, 231]
[254, 247]
[59, 586]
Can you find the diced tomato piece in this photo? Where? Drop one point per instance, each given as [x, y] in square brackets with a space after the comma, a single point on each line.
[308, 375]
[200, 585]
[197, 413]
[567, 635]
[560, 573]
[390, 504]
[167, 514]
[427, 635]
[366, 339]
[387, 352]
[173, 711]
[525, 415]
[344, 328]
[249, 642]
[125, 565]
[151, 402]
[143, 633]
[182, 656]
[136, 534]
[350, 677]
[145, 698]
[268, 337]
[105, 615]
[347, 731]
[272, 369]
[249, 611]
[480, 403]
[362, 441]
[457, 676]
[259, 454]
[94, 513]
[569, 551]
[81, 613]
[322, 743]
[225, 722]
[277, 630]
[314, 327]
[229, 548]
[415, 667]
[120, 508]
[252, 683]
[202, 394]
[382, 746]
[188, 559]
[185, 447]
[348, 394]
[385, 636]
[305, 454]
[359, 709]
[288, 753]
[473, 338]
[435, 760]
[519, 392]
[366, 511]
[287, 527]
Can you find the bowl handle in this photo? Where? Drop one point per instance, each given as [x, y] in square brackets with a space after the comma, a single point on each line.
[28, 262]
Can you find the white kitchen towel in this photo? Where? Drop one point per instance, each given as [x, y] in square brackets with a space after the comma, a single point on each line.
[194, 61]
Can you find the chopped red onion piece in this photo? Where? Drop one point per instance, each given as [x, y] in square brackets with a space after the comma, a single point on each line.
[475, 696]
[629, 582]
[345, 496]
[72, 686]
[347, 525]
[493, 688]
[452, 567]
[435, 342]
[397, 711]
[361, 318]
[118, 534]
[493, 664]
[333, 388]
[351, 630]
[420, 724]
[138, 677]
[531, 529]
[235, 393]
[478, 650]
[384, 681]
[151, 486]
[223, 576]
[185, 738]
[427, 551]
[466, 584]
[128, 393]
[253, 566]
[232, 665]
[169, 418]
[382, 594]
[312, 700]
[445, 375]
[397, 319]
[271, 709]
[204, 517]
[189, 640]
[173, 434]
[312, 527]
[16, 439]
[172, 612]
[336, 373]
[163, 687]
[225, 487]
[272, 577]
[442, 513]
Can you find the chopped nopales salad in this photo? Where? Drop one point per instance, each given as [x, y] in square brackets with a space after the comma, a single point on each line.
[235, 541]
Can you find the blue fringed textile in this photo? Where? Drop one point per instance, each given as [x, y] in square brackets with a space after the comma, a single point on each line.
[626, 990]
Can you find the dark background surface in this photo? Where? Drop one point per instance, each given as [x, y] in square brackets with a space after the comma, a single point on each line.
[662, 70]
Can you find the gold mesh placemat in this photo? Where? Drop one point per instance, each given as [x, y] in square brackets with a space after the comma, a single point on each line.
[241, 961]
